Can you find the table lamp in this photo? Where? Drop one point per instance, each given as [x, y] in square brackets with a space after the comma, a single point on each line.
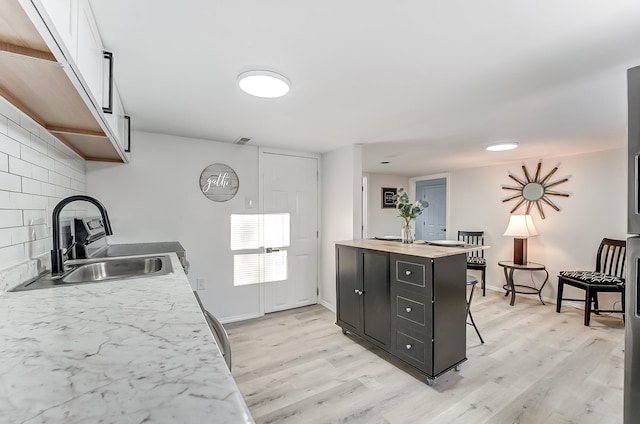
[520, 227]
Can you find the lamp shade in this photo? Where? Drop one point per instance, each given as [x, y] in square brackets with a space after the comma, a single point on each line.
[521, 226]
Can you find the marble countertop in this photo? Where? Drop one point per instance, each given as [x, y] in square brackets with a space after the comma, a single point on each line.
[127, 351]
[418, 248]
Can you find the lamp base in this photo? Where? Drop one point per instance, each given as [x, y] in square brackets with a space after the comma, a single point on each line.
[520, 251]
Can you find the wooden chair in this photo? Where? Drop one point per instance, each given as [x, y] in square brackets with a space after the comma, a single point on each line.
[608, 277]
[475, 259]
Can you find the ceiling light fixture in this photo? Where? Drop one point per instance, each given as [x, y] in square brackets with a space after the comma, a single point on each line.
[501, 147]
[261, 83]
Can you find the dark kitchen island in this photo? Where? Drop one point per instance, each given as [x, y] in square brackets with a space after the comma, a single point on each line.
[407, 299]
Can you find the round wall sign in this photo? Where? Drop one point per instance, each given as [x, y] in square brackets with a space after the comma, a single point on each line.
[219, 182]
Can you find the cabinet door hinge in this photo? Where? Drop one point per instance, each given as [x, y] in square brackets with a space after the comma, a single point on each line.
[317, 291]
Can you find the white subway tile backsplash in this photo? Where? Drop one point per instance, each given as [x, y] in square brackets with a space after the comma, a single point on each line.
[31, 186]
[34, 217]
[79, 186]
[9, 145]
[29, 124]
[5, 237]
[39, 232]
[30, 155]
[18, 133]
[59, 180]
[63, 192]
[48, 190]
[47, 162]
[12, 255]
[47, 137]
[4, 162]
[37, 248]
[39, 144]
[9, 111]
[5, 202]
[21, 200]
[11, 218]
[21, 235]
[36, 172]
[10, 182]
[39, 173]
[4, 125]
[19, 167]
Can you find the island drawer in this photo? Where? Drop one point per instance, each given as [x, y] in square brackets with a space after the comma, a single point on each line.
[411, 310]
[411, 350]
[412, 273]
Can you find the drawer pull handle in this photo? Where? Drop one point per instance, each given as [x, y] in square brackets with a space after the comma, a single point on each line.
[407, 272]
[408, 309]
[358, 292]
[409, 346]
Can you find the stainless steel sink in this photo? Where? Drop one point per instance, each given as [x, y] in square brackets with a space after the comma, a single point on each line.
[117, 269]
[97, 270]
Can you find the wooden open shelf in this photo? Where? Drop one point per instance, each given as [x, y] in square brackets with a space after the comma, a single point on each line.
[36, 83]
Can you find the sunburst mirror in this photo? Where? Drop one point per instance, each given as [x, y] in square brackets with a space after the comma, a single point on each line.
[534, 191]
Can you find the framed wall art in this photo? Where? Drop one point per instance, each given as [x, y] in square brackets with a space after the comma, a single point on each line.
[387, 197]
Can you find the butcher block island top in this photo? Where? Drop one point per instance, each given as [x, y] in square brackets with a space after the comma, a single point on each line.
[417, 248]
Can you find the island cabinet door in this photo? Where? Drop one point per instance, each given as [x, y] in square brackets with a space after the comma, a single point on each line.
[376, 307]
[349, 288]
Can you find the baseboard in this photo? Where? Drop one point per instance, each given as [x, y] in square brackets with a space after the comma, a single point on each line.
[327, 305]
[227, 320]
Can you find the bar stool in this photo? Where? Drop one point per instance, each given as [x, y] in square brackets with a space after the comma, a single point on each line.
[471, 281]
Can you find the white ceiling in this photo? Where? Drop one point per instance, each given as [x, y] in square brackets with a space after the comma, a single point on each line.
[423, 84]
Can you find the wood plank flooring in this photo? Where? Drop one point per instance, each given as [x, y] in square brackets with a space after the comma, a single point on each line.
[536, 366]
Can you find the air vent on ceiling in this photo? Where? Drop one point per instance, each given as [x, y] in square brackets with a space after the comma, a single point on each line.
[242, 140]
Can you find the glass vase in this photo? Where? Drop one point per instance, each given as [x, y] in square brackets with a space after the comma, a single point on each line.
[407, 231]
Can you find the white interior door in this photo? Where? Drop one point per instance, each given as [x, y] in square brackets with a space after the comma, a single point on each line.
[434, 218]
[290, 186]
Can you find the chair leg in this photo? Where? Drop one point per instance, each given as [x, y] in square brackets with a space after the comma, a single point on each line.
[559, 299]
[587, 307]
[623, 307]
[596, 307]
[484, 279]
[474, 326]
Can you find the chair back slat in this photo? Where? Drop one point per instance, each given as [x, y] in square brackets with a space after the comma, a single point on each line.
[611, 257]
[473, 237]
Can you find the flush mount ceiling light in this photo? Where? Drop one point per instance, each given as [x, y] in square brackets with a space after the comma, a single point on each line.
[501, 147]
[264, 84]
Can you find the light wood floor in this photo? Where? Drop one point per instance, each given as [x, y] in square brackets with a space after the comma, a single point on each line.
[536, 366]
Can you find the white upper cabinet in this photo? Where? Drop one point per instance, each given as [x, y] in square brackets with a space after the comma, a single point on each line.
[90, 56]
[64, 16]
[75, 35]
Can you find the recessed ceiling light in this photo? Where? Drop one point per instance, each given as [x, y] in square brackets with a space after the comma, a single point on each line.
[501, 147]
[262, 83]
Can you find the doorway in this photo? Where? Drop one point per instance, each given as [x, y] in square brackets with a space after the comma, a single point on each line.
[432, 223]
[290, 190]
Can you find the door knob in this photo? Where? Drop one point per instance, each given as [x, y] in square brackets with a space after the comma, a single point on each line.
[409, 346]
[408, 309]
[407, 272]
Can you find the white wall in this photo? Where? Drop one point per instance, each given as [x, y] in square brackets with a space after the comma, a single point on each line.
[36, 172]
[156, 197]
[568, 239]
[383, 222]
[341, 211]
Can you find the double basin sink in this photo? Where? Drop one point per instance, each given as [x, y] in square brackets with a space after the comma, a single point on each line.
[85, 271]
